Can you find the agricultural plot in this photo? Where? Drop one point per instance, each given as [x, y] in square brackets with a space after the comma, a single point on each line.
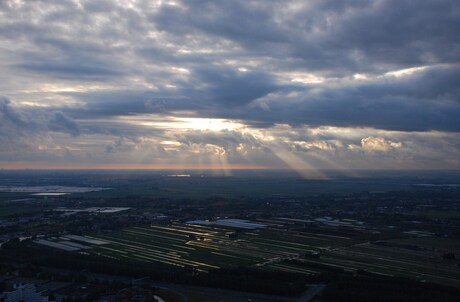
[204, 247]
[194, 246]
[70, 243]
[416, 258]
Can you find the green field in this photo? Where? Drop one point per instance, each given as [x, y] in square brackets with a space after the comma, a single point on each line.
[203, 248]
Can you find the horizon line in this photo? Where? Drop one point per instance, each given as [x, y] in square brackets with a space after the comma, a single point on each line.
[205, 168]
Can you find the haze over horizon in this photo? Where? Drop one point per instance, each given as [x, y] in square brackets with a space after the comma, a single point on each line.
[303, 85]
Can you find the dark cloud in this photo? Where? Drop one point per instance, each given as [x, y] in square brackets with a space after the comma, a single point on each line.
[93, 70]
[122, 102]
[121, 144]
[208, 89]
[16, 130]
[8, 113]
[227, 87]
[247, 22]
[424, 102]
[62, 123]
[332, 36]
[66, 70]
[33, 122]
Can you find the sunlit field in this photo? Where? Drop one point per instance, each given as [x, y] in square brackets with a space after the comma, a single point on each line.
[273, 248]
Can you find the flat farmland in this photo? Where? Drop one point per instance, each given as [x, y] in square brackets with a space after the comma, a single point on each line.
[181, 245]
[206, 247]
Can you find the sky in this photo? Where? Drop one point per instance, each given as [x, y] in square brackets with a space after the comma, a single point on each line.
[304, 85]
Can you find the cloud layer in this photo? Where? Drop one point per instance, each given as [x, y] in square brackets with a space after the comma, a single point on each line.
[327, 84]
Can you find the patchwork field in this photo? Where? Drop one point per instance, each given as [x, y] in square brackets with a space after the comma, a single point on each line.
[204, 247]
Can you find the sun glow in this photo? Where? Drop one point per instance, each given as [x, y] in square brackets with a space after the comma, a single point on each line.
[187, 123]
[211, 124]
[406, 71]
